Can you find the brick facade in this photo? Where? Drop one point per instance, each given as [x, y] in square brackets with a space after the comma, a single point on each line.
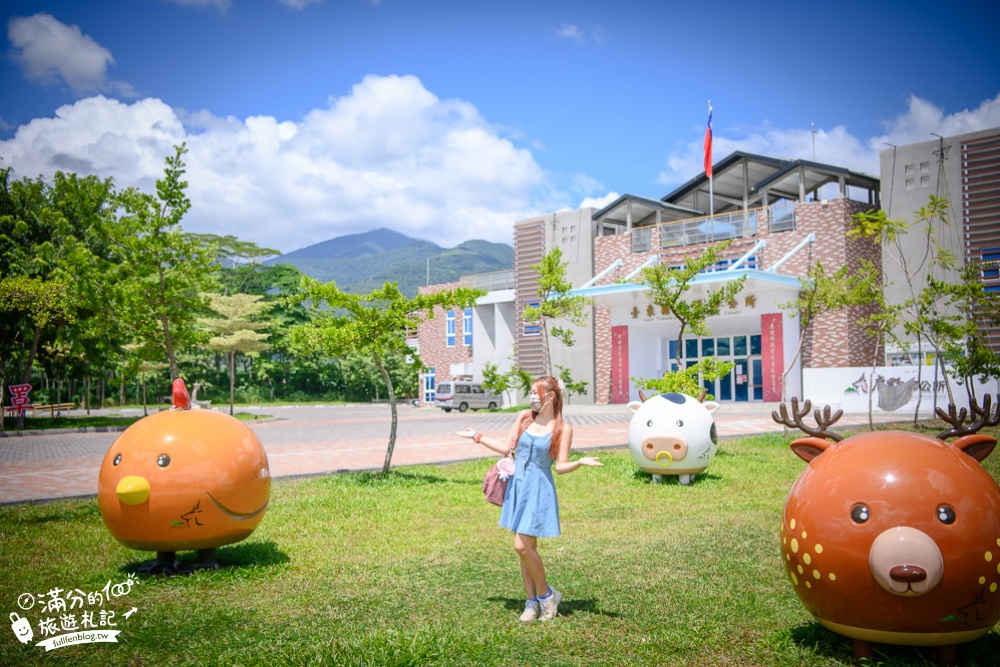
[833, 340]
[432, 334]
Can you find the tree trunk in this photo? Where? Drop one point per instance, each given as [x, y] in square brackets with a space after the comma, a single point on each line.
[145, 413]
[168, 346]
[920, 377]
[168, 343]
[86, 397]
[392, 408]
[26, 375]
[232, 379]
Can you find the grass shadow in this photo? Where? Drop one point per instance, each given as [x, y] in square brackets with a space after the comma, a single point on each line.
[231, 558]
[673, 480]
[821, 641]
[394, 478]
[566, 608]
[52, 513]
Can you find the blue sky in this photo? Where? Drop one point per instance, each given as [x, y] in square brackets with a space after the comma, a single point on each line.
[450, 120]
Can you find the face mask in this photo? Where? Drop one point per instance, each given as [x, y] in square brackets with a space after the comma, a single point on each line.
[535, 402]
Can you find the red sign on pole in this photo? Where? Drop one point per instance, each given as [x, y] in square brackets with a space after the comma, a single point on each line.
[619, 365]
[19, 401]
[772, 354]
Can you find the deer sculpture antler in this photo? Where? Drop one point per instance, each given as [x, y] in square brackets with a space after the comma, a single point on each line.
[824, 419]
[956, 417]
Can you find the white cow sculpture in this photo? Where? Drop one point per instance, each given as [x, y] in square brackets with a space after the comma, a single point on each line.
[672, 434]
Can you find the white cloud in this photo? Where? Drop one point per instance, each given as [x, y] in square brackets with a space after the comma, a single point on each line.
[299, 4]
[599, 202]
[51, 52]
[389, 153]
[570, 31]
[221, 5]
[835, 146]
[579, 35]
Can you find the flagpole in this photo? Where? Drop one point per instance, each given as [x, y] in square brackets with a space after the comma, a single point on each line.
[711, 173]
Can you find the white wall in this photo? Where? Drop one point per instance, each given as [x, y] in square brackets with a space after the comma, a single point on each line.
[849, 389]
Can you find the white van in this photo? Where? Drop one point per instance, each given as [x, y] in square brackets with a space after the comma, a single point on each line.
[462, 395]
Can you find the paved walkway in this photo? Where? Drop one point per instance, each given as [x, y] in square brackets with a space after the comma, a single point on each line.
[316, 440]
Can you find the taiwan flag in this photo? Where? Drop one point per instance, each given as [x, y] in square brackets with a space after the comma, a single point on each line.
[708, 145]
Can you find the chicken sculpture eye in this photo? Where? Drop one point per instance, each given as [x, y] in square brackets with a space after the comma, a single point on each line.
[946, 515]
[860, 513]
[163, 461]
[118, 459]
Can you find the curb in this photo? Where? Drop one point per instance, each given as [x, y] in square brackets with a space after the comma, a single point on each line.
[104, 429]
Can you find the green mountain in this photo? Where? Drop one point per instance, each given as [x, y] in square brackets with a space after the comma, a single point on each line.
[362, 262]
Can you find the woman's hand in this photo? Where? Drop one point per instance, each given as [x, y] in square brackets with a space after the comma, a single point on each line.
[590, 461]
[467, 433]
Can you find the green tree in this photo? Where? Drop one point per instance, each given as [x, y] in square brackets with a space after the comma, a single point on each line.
[138, 362]
[967, 349]
[555, 303]
[237, 263]
[236, 331]
[495, 382]
[572, 386]
[51, 282]
[820, 294]
[161, 271]
[920, 314]
[374, 324]
[689, 380]
[668, 288]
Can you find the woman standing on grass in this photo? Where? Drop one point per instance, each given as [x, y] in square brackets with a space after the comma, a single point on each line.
[530, 507]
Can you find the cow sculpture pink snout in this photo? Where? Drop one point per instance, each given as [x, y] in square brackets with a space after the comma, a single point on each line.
[672, 434]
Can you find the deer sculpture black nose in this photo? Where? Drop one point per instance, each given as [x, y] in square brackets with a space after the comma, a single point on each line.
[908, 574]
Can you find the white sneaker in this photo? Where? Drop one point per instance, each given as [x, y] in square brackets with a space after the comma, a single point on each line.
[550, 605]
[530, 611]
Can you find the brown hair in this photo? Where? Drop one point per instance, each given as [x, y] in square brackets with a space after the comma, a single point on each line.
[552, 386]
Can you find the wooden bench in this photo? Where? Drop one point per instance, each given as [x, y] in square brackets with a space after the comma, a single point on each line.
[52, 409]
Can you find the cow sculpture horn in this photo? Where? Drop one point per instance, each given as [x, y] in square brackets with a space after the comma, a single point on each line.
[823, 420]
[955, 417]
[642, 396]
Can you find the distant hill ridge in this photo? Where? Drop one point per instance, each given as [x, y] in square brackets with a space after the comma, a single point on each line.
[362, 262]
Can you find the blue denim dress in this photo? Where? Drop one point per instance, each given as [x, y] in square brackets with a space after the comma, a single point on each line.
[530, 506]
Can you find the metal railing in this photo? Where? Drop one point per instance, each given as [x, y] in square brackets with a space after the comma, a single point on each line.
[707, 230]
[781, 216]
[642, 239]
[496, 280]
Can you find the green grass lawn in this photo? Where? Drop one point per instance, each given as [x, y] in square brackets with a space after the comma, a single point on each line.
[413, 570]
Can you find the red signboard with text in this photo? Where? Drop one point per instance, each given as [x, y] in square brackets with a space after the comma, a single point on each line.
[772, 354]
[619, 365]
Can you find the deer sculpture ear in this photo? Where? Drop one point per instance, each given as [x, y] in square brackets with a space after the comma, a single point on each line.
[977, 445]
[809, 448]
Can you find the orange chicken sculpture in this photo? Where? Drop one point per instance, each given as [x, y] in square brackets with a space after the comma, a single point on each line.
[893, 537]
[181, 480]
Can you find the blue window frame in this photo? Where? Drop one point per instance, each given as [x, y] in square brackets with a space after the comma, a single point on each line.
[991, 264]
[467, 327]
[429, 386]
[532, 328]
[450, 333]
